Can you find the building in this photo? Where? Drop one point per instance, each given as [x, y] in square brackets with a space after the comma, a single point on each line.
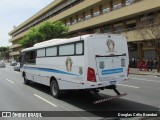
[96, 16]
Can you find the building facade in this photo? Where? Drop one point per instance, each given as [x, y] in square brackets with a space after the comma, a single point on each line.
[96, 16]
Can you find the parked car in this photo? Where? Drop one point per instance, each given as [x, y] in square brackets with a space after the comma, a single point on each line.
[2, 64]
[17, 67]
[13, 63]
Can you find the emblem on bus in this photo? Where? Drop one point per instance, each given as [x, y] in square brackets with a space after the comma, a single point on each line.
[69, 64]
[110, 44]
[101, 65]
[80, 70]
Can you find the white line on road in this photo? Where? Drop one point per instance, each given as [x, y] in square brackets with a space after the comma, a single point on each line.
[127, 85]
[145, 80]
[10, 81]
[17, 72]
[45, 100]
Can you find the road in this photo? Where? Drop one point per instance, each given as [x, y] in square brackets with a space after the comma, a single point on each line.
[143, 95]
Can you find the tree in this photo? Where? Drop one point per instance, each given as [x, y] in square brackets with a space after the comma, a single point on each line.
[52, 30]
[4, 52]
[149, 29]
[43, 32]
[31, 38]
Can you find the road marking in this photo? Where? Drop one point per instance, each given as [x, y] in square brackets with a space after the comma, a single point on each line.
[145, 80]
[10, 81]
[45, 100]
[17, 72]
[127, 85]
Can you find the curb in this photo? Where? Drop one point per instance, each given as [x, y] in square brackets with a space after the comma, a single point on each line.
[145, 74]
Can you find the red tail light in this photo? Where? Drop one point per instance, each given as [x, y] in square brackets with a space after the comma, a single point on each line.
[91, 75]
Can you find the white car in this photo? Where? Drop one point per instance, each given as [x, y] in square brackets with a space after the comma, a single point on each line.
[2, 64]
[13, 63]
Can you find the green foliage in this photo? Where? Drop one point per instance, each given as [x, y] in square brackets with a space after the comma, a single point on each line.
[4, 52]
[31, 38]
[43, 32]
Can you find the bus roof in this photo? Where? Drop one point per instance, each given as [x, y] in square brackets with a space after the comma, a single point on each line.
[53, 42]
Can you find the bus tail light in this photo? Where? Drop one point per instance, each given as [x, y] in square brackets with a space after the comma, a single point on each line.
[91, 75]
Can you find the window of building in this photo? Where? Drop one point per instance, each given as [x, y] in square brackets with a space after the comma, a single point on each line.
[66, 49]
[97, 30]
[128, 2]
[148, 18]
[117, 6]
[131, 26]
[107, 29]
[41, 53]
[118, 28]
[88, 17]
[96, 14]
[52, 51]
[68, 23]
[74, 22]
[106, 10]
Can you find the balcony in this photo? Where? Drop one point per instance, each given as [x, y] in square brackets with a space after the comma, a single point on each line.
[123, 12]
[15, 46]
[18, 36]
[134, 34]
[14, 53]
[106, 17]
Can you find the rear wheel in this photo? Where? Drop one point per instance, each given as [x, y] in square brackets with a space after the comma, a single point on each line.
[26, 82]
[55, 89]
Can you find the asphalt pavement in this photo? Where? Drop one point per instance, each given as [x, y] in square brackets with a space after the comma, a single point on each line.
[143, 94]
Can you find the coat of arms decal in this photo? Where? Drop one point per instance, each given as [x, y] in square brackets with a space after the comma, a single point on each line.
[69, 64]
[110, 44]
[80, 70]
[101, 65]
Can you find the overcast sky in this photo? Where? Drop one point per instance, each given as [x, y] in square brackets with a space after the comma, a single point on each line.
[14, 12]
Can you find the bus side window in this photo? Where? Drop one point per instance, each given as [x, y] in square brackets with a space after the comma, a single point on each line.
[79, 48]
[27, 57]
[33, 57]
[30, 57]
[66, 49]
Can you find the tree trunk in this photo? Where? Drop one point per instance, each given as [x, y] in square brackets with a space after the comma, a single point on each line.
[158, 66]
[157, 49]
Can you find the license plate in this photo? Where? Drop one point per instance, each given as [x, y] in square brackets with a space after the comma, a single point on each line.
[112, 82]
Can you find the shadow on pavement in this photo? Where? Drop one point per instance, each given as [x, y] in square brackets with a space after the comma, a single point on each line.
[85, 101]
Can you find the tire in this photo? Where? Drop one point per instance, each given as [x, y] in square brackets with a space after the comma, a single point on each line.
[55, 89]
[26, 82]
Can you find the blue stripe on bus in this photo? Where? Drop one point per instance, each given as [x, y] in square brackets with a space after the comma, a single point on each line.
[112, 71]
[50, 70]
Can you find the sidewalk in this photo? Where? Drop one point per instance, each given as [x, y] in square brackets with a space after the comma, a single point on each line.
[137, 72]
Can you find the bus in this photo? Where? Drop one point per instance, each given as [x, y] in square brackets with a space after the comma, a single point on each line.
[91, 62]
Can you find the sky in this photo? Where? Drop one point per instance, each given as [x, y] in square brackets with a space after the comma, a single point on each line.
[15, 12]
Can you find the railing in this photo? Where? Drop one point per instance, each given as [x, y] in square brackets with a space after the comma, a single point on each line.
[105, 10]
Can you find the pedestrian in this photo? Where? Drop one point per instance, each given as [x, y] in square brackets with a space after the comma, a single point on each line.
[155, 63]
[137, 63]
[150, 64]
[145, 65]
[133, 62]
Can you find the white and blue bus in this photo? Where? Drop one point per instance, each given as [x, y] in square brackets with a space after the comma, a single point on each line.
[89, 62]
